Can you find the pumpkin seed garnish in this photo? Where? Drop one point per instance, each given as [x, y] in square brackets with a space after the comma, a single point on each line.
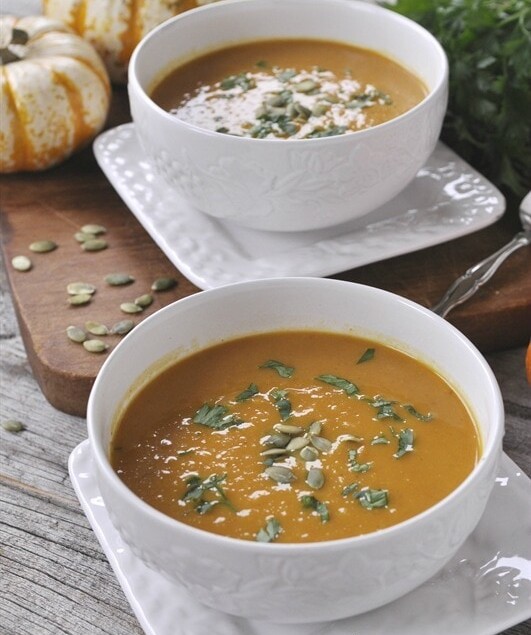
[280, 474]
[309, 454]
[95, 328]
[277, 440]
[76, 334]
[315, 427]
[75, 288]
[144, 300]
[94, 244]
[118, 279]
[287, 429]
[95, 346]
[79, 299]
[21, 263]
[163, 284]
[94, 229]
[320, 443]
[315, 478]
[274, 452]
[82, 237]
[297, 443]
[122, 327]
[14, 426]
[43, 246]
[130, 307]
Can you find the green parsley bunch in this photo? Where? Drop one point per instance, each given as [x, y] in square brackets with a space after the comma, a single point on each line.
[488, 44]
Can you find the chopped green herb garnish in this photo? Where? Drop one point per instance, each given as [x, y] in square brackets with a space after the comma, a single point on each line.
[196, 488]
[373, 498]
[241, 81]
[250, 391]
[310, 502]
[262, 64]
[367, 356]
[270, 532]
[282, 369]
[350, 489]
[332, 131]
[216, 417]
[385, 408]
[338, 382]
[413, 411]
[405, 442]
[282, 403]
[353, 464]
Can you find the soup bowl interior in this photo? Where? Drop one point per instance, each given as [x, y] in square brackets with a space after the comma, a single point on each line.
[288, 185]
[277, 582]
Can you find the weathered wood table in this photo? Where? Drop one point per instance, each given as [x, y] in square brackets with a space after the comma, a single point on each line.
[54, 575]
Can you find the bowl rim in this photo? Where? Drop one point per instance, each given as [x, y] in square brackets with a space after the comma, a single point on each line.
[491, 450]
[356, 5]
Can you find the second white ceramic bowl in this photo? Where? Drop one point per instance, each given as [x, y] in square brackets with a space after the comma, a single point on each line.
[288, 185]
[297, 582]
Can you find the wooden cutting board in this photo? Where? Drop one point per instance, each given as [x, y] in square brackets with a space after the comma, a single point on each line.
[57, 203]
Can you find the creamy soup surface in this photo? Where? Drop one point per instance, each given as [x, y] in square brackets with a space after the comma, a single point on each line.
[297, 89]
[295, 437]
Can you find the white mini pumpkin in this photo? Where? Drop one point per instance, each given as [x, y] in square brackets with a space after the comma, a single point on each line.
[54, 93]
[114, 27]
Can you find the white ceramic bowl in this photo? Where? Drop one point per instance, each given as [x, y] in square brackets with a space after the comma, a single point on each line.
[297, 184]
[312, 581]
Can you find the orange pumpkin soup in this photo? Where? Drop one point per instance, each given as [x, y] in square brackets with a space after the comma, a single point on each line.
[295, 436]
[296, 89]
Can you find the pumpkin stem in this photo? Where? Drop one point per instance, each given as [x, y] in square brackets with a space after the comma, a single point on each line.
[12, 45]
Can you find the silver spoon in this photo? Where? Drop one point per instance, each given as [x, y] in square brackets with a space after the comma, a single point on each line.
[466, 285]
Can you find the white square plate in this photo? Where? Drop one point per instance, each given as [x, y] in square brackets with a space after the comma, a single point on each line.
[447, 199]
[483, 590]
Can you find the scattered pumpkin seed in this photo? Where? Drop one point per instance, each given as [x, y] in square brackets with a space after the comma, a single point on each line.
[130, 307]
[79, 299]
[76, 334]
[297, 443]
[306, 86]
[119, 279]
[95, 346]
[274, 452]
[287, 429]
[280, 474]
[320, 443]
[95, 328]
[94, 229]
[309, 454]
[82, 237]
[43, 246]
[277, 440]
[11, 425]
[122, 327]
[75, 288]
[315, 427]
[21, 263]
[94, 244]
[315, 478]
[163, 284]
[144, 300]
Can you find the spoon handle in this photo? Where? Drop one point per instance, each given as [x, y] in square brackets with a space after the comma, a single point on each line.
[466, 285]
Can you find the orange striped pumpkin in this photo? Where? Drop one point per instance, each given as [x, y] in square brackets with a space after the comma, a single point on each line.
[54, 93]
[114, 27]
